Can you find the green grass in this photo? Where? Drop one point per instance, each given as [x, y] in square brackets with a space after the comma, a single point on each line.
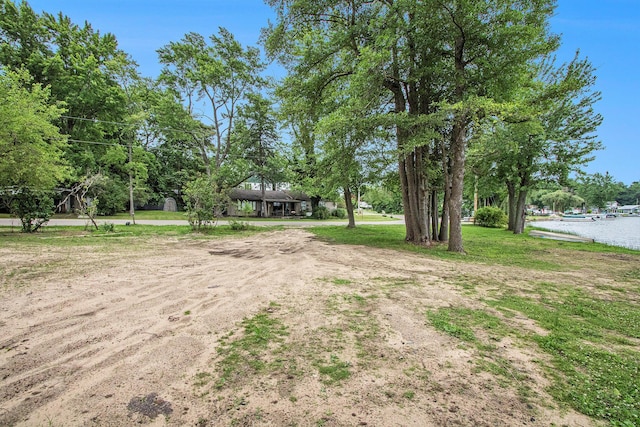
[148, 215]
[334, 370]
[368, 216]
[245, 354]
[484, 245]
[592, 343]
[74, 235]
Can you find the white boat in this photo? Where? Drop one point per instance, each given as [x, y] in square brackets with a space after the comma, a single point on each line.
[577, 218]
[605, 217]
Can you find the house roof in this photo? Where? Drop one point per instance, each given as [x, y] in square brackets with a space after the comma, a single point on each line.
[270, 195]
[629, 207]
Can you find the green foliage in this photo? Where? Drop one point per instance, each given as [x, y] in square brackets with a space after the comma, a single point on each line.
[592, 377]
[562, 200]
[598, 189]
[321, 212]
[108, 227]
[31, 146]
[339, 213]
[220, 73]
[490, 216]
[112, 193]
[383, 200]
[34, 208]
[629, 195]
[245, 354]
[239, 225]
[202, 203]
[246, 208]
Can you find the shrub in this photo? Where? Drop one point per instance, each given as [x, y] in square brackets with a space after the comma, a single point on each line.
[108, 227]
[321, 212]
[34, 208]
[339, 213]
[113, 194]
[202, 203]
[490, 217]
[239, 225]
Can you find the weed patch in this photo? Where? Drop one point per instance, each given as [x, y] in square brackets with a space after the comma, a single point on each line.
[334, 370]
[589, 375]
[249, 353]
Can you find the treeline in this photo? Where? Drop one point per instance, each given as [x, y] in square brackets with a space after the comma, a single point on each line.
[414, 98]
[588, 192]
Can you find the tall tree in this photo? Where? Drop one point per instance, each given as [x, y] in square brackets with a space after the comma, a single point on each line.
[31, 148]
[261, 146]
[549, 133]
[597, 190]
[434, 58]
[215, 76]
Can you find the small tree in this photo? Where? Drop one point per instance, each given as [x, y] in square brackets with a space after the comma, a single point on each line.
[34, 208]
[202, 203]
[246, 209]
[80, 192]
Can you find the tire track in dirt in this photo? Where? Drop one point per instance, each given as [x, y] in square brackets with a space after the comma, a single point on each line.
[76, 352]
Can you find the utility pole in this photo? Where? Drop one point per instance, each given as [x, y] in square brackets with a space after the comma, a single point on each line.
[132, 211]
[475, 196]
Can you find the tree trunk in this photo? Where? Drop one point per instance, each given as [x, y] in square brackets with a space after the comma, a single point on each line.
[458, 144]
[511, 202]
[520, 212]
[263, 204]
[315, 202]
[413, 197]
[412, 183]
[443, 236]
[434, 215]
[349, 204]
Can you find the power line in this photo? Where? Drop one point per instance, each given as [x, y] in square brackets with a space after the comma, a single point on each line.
[94, 142]
[123, 124]
[113, 144]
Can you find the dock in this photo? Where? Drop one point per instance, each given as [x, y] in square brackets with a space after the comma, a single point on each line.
[559, 236]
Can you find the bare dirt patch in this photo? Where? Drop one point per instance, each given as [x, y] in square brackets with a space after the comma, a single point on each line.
[181, 332]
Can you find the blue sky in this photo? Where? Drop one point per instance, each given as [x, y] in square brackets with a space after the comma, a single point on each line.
[605, 31]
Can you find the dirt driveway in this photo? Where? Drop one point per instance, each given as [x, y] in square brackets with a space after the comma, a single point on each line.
[275, 329]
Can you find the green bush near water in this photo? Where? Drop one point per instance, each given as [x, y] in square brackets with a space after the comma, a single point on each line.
[490, 217]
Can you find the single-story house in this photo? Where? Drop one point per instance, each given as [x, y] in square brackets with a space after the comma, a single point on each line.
[279, 203]
[628, 209]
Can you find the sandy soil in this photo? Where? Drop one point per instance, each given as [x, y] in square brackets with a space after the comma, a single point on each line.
[90, 336]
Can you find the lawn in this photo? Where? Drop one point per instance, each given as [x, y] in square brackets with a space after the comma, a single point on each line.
[589, 330]
[574, 308]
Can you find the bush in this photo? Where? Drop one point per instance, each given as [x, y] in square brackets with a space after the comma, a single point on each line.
[321, 212]
[108, 227]
[34, 208]
[239, 225]
[202, 203]
[113, 194]
[339, 213]
[490, 217]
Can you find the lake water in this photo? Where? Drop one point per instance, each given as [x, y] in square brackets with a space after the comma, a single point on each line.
[621, 231]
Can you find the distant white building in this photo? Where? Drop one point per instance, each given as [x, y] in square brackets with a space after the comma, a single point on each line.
[628, 209]
[253, 183]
